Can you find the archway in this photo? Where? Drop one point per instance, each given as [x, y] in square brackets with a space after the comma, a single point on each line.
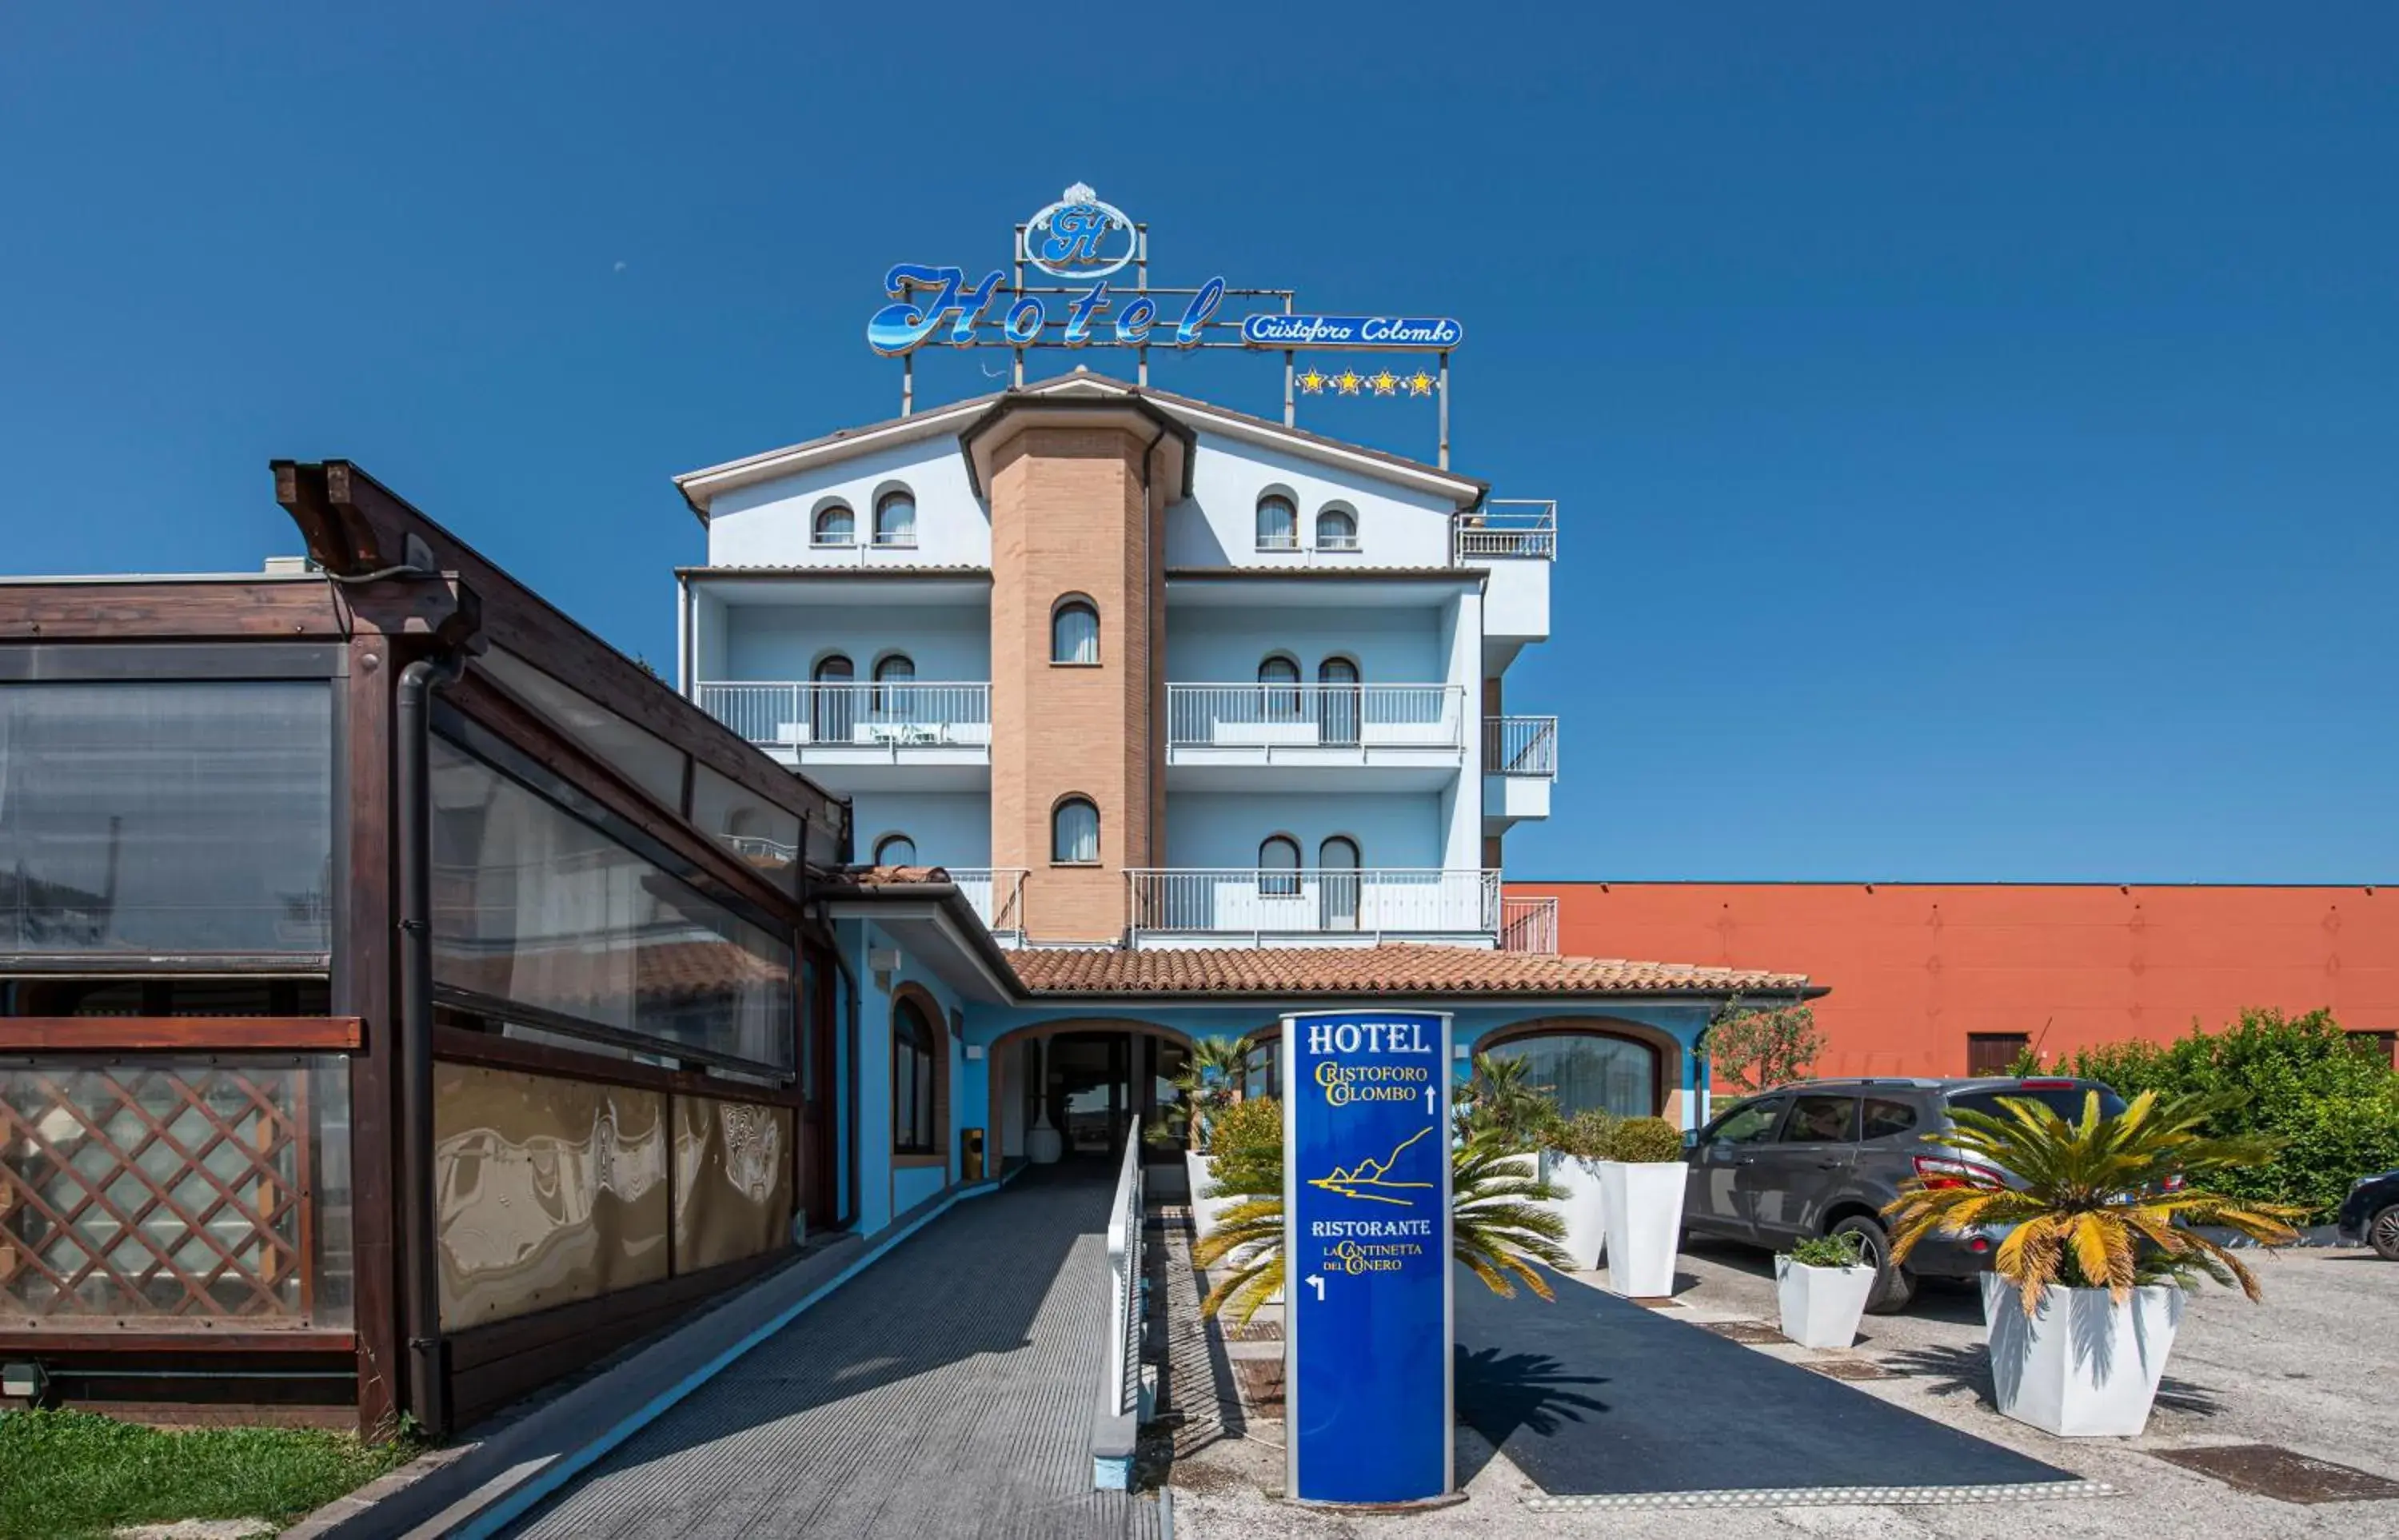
[1600, 1063]
[1097, 1081]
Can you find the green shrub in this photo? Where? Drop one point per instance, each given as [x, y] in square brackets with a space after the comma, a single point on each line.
[1645, 1140]
[1246, 1141]
[1839, 1250]
[2333, 1107]
[1588, 1135]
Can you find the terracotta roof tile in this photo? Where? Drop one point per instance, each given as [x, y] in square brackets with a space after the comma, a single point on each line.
[1416, 970]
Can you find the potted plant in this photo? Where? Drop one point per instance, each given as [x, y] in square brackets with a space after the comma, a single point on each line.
[1641, 1186]
[2086, 1290]
[1575, 1147]
[1822, 1285]
[1236, 1135]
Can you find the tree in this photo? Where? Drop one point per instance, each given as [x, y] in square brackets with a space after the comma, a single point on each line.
[1210, 1082]
[1756, 1050]
[1500, 1103]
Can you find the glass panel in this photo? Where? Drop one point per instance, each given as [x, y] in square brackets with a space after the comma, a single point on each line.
[1884, 1117]
[895, 519]
[895, 850]
[1077, 835]
[641, 756]
[2067, 1102]
[1278, 869]
[1750, 1122]
[764, 835]
[733, 1181]
[149, 817]
[1820, 1119]
[534, 907]
[547, 1191]
[1277, 525]
[1075, 635]
[837, 527]
[1583, 1073]
[163, 1191]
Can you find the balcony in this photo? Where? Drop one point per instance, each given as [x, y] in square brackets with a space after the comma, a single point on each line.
[914, 736]
[1520, 760]
[998, 895]
[1503, 529]
[1314, 737]
[1530, 924]
[1210, 906]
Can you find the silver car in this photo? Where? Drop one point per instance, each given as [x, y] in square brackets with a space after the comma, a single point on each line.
[1825, 1157]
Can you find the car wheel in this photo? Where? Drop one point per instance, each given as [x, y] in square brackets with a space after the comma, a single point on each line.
[1894, 1286]
[2383, 1234]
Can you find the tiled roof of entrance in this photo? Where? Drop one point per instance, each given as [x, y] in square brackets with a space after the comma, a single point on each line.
[1410, 970]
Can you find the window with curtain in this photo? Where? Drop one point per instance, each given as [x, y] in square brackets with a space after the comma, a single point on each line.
[1074, 633]
[534, 908]
[892, 677]
[185, 818]
[1278, 692]
[1075, 831]
[895, 519]
[1279, 867]
[1278, 524]
[836, 526]
[913, 1075]
[1336, 529]
[895, 850]
[1583, 1071]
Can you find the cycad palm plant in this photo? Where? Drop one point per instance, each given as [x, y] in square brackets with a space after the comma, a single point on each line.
[2105, 1202]
[1496, 1226]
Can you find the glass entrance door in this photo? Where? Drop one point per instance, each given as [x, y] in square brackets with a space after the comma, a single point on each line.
[1091, 1090]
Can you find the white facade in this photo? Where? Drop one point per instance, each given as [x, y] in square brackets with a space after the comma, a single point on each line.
[1326, 673]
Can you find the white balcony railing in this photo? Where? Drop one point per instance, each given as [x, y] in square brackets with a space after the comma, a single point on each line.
[1315, 716]
[1530, 924]
[1520, 745]
[996, 893]
[1506, 527]
[1313, 900]
[890, 715]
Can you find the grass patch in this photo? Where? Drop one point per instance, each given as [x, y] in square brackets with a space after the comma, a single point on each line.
[69, 1475]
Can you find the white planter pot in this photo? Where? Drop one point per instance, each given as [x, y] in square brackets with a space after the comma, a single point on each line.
[1644, 1217]
[1582, 1205]
[1042, 1144]
[1201, 1172]
[2084, 1364]
[1820, 1305]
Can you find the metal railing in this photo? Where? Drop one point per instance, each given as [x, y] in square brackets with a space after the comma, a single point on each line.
[1505, 526]
[1530, 924]
[890, 715]
[1120, 1387]
[1315, 716]
[996, 893]
[1520, 745]
[1314, 900]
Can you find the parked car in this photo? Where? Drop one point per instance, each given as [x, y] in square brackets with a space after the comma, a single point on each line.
[1823, 1157]
[2369, 1216]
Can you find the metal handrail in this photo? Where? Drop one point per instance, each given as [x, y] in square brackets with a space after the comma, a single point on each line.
[1120, 1389]
[1520, 745]
[865, 714]
[1317, 900]
[996, 893]
[1506, 527]
[1529, 924]
[1269, 716]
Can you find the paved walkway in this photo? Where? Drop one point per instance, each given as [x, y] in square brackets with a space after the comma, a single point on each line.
[945, 1391]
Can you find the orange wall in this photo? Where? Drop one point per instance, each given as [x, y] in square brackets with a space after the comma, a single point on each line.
[1914, 968]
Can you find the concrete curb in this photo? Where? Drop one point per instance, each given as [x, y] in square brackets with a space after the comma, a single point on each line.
[474, 1490]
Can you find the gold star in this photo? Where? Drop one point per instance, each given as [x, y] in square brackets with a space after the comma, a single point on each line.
[1312, 383]
[1386, 382]
[1348, 382]
[1421, 384]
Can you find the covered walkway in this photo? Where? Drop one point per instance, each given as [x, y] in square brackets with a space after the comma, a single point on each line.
[946, 1390]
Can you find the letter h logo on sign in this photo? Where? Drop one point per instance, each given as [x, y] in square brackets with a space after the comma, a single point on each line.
[1366, 1230]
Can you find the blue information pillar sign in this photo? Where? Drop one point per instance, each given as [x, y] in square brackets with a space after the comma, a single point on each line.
[1366, 1368]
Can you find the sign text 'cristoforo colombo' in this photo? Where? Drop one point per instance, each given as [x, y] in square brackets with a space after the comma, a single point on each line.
[1426, 334]
[1366, 1250]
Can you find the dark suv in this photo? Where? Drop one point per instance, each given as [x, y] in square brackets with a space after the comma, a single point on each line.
[1823, 1157]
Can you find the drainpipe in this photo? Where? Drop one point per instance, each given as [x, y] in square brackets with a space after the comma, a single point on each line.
[421, 1280]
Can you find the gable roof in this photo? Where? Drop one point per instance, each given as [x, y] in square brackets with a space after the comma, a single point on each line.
[1390, 969]
[700, 488]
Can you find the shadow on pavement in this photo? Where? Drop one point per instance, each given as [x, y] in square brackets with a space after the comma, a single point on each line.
[1946, 1370]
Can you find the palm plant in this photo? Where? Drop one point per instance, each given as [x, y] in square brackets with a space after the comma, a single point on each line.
[2102, 1203]
[1500, 1102]
[1211, 1081]
[1496, 1226]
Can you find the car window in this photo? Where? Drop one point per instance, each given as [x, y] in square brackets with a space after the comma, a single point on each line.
[1884, 1117]
[1750, 1122]
[1821, 1120]
[2064, 1101]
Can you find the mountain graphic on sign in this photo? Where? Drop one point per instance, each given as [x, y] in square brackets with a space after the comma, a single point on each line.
[1370, 1179]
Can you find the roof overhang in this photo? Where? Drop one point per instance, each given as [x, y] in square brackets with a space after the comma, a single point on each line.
[936, 924]
[701, 488]
[990, 432]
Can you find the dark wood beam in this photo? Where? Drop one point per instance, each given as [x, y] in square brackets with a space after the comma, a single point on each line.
[179, 1034]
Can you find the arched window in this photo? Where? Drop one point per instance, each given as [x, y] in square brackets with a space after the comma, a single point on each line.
[1336, 884]
[895, 850]
[835, 526]
[1279, 688]
[894, 672]
[1075, 832]
[833, 705]
[895, 518]
[1279, 867]
[1075, 632]
[1339, 701]
[1278, 523]
[914, 1073]
[1588, 1070]
[1336, 529]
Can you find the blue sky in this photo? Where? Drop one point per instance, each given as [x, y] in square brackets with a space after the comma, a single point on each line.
[1975, 427]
